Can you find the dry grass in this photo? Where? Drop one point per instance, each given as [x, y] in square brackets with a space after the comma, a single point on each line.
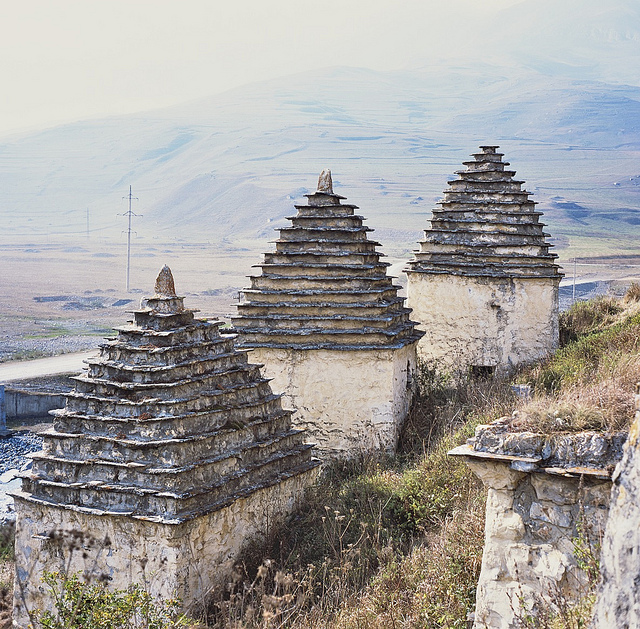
[6, 592]
[391, 543]
[589, 383]
[398, 542]
[633, 293]
[428, 583]
[430, 586]
[603, 406]
[585, 317]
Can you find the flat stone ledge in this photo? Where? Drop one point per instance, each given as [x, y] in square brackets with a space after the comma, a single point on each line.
[589, 453]
[530, 464]
[540, 488]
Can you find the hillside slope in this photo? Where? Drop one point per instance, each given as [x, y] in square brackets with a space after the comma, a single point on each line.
[557, 85]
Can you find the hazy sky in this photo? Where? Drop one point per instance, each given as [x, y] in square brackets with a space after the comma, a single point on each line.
[68, 59]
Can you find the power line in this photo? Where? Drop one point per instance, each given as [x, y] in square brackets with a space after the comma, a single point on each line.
[130, 214]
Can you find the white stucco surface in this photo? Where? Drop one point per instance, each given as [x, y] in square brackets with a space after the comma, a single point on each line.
[185, 560]
[347, 401]
[484, 321]
[534, 524]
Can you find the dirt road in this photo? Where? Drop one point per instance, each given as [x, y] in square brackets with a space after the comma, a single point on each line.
[24, 369]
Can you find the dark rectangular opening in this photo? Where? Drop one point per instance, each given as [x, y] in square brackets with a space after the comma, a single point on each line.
[482, 371]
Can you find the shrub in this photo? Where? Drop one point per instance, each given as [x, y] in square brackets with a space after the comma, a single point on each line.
[593, 357]
[431, 587]
[7, 536]
[633, 293]
[81, 605]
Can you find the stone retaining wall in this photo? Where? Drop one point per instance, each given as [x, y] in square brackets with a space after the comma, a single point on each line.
[618, 602]
[25, 404]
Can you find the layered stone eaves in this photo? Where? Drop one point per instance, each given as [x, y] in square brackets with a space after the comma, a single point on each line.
[169, 423]
[486, 225]
[324, 286]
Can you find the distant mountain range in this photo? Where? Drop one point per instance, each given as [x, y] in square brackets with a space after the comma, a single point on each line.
[555, 84]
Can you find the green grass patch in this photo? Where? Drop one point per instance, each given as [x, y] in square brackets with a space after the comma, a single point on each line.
[599, 346]
[7, 539]
[82, 605]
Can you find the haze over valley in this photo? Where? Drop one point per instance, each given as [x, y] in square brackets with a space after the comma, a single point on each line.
[557, 87]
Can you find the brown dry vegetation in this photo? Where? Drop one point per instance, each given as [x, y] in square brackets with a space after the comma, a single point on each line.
[589, 383]
[397, 543]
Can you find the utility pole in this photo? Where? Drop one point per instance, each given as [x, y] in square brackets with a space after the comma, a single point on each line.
[574, 281]
[87, 224]
[130, 214]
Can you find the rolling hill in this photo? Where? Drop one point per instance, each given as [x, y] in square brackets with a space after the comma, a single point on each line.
[546, 83]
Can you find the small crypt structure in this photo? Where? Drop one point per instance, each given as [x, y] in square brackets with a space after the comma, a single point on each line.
[171, 452]
[547, 506]
[483, 283]
[326, 321]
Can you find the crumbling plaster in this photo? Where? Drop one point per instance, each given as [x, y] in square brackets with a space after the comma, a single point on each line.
[618, 600]
[547, 496]
[347, 401]
[186, 560]
[531, 532]
[484, 321]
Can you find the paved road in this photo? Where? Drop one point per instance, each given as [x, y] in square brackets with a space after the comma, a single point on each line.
[55, 365]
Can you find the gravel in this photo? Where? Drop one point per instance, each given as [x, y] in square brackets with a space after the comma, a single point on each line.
[20, 349]
[13, 450]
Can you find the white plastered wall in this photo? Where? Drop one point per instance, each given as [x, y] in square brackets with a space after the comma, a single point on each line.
[493, 322]
[349, 401]
[185, 560]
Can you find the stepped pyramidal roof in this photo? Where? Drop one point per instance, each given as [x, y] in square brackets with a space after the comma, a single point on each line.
[170, 422]
[324, 287]
[486, 225]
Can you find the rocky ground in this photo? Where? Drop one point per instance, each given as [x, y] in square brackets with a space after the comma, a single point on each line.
[13, 460]
[25, 348]
[13, 450]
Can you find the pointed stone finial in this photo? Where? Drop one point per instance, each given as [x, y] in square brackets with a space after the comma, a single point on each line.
[325, 185]
[164, 283]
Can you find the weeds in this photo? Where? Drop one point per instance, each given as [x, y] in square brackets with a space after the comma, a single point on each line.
[588, 384]
[585, 317]
[84, 605]
[384, 543]
[7, 538]
[6, 575]
[447, 402]
[606, 406]
[431, 587]
[633, 293]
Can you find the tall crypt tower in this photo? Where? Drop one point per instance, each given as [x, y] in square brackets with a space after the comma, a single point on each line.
[326, 321]
[483, 284]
